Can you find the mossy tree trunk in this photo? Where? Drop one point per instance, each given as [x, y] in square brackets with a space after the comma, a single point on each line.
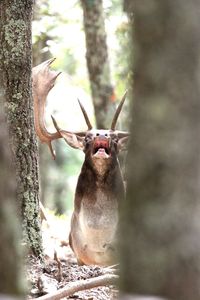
[98, 61]
[160, 231]
[15, 69]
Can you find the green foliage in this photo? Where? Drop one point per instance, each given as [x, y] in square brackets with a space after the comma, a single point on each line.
[67, 62]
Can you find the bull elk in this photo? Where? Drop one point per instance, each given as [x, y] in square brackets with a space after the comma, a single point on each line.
[100, 188]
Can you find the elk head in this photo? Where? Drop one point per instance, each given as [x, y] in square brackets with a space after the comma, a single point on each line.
[100, 146]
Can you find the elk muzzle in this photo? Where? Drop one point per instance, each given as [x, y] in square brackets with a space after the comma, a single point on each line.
[101, 147]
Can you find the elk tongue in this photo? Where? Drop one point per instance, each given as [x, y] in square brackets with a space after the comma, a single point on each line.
[101, 153]
[101, 150]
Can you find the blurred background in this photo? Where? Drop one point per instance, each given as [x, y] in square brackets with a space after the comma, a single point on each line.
[60, 30]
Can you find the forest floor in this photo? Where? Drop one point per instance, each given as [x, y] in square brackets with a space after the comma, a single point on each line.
[60, 269]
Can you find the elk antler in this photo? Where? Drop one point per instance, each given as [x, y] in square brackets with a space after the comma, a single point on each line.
[85, 115]
[116, 115]
[121, 134]
[43, 81]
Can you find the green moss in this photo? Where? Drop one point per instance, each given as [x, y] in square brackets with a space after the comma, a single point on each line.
[11, 107]
[15, 33]
[17, 96]
[31, 224]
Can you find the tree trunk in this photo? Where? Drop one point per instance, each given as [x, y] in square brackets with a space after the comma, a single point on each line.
[97, 61]
[160, 229]
[15, 68]
[10, 250]
[128, 6]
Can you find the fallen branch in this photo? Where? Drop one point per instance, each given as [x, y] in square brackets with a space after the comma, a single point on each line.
[73, 287]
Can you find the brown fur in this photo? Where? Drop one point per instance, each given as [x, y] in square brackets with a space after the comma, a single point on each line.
[94, 223]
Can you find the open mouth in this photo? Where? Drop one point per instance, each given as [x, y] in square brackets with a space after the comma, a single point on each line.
[101, 148]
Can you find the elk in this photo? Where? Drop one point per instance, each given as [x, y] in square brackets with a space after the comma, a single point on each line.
[100, 187]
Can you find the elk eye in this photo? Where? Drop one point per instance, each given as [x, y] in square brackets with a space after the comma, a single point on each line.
[106, 134]
[97, 134]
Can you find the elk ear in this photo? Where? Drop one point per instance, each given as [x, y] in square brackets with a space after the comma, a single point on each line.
[72, 139]
[122, 143]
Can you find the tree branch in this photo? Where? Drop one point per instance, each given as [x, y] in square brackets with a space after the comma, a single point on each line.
[73, 287]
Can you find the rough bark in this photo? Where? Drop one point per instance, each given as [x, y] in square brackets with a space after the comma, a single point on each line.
[10, 250]
[160, 231]
[98, 61]
[15, 69]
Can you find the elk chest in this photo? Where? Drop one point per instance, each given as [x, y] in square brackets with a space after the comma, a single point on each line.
[98, 221]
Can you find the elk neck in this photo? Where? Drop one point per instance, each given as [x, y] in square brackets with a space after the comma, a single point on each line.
[91, 182]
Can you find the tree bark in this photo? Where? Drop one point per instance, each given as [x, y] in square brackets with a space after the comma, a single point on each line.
[98, 61]
[10, 250]
[15, 69]
[160, 229]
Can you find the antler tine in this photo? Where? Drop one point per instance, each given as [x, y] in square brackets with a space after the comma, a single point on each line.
[43, 82]
[85, 115]
[119, 108]
[55, 124]
[122, 134]
[61, 131]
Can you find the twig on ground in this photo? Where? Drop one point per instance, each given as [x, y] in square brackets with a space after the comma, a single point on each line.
[46, 285]
[73, 287]
[43, 214]
[113, 266]
[59, 275]
[114, 269]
